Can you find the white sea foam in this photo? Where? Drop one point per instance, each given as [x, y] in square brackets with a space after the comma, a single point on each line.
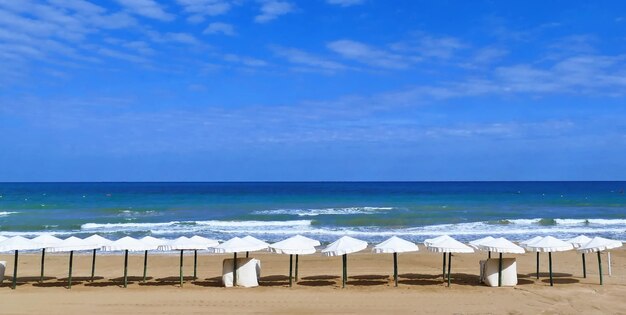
[239, 224]
[325, 211]
[6, 213]
[124, 226]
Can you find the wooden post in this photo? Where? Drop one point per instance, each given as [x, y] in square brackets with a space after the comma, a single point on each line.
[290, 268]
[296, 268]
[537, 274]
[180, 272]
[395, 268]
[126, 268]
[145, 265]
[550, 264]
[69, 277]
[15, 270]
[43, 259]
[235, 269]
[247, 253]
[500, 271]
[93, 265]
[584, 267]
[345, 269]
[600, 266]
[195, 264]
[489, 255]
[444, 266]
[608, 260]
[449, 266]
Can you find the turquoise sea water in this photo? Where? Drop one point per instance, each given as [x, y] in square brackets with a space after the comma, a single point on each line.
[371, 211]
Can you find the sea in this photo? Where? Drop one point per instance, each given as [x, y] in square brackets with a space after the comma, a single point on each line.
[272, 211]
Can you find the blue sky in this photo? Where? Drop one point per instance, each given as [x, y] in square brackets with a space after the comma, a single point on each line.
[144, 90]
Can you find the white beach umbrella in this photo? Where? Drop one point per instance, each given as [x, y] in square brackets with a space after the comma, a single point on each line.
[395, 245]
[182, 244]
[474, 244]
[531, 241]
[577, 242]
[437, 239]
[295, 245]
[45, 240]
[234, 246]
[255, 240]
[16, 244]
[501, 246]
[205, 241]
[448, 245]
[127, 244]
[548, 245]
[150, 241]
[344, 246]
[598, 244]
[71, 244]
[96, 240]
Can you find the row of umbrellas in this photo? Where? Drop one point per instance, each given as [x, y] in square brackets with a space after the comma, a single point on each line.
[299, 245]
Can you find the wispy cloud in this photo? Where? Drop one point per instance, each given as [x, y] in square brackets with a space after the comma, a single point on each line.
[313, 62]
[428, 46]
[244, 60]
[372, 56]
[271, 9]
[220, 28]
[345, 3]
[199, 9]
[147, 8]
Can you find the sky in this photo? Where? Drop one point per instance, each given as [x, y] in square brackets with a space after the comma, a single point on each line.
[317, 90]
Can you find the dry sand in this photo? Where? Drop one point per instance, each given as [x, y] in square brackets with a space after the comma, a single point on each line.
[370, 289]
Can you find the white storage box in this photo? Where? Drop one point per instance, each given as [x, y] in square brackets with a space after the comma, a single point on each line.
[248, 272]
[3, 266]
[489, 272]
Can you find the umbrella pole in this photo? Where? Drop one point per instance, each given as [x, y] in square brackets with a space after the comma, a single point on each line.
[449, 266]
[444, 266]
[345, 269]
[195, 264]
[69, 277]
[290, 268]
[296, 268]
[584, 267]
[599, 266]
[395, 268]
[500, 271]
[235, 269]
[537, 274]
[126, 268]
[181, 268]
[93, 265]
[43, 259]
[550, 264]
[145, 265]
[15, 270]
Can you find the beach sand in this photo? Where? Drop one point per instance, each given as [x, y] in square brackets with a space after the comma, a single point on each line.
[370, 288]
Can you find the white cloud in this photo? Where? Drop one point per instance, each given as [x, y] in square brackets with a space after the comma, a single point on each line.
[300, 57]
[147, 8]
[199, 9]
[430, 46]
[220, 28]
[369, 55]
[271, 9]
[345, 3]
[246, 61]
